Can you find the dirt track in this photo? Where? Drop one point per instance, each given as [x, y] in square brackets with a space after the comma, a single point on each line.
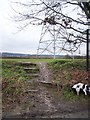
[41, 103]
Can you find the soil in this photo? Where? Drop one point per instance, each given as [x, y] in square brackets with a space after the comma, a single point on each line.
[39, 101]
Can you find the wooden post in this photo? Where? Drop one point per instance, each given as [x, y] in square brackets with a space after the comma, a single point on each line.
[87, 51]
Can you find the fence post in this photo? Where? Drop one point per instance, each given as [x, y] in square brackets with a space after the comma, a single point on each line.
[87, 51]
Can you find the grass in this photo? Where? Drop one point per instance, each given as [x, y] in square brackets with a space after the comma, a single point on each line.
[30, 60]
[13, 79]
[67, 71]
[68, 64]
[69, 94]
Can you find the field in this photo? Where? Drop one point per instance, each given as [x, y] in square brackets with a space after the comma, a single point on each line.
[61, 73]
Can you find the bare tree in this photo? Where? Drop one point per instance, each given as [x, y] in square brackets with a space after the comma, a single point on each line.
[69, 17]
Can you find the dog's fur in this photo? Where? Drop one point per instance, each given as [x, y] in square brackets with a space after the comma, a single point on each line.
[80, 86]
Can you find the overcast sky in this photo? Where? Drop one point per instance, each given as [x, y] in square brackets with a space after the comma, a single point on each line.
[25, 41]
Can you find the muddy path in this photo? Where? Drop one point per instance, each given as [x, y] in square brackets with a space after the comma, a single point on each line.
[39, 101]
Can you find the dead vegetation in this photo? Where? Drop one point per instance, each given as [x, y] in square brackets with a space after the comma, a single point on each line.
[26, 96]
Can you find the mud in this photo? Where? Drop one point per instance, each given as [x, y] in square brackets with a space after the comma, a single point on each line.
[41, 103]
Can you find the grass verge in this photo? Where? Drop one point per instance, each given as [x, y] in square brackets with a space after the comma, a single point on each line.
[66, 73]
[13, 79]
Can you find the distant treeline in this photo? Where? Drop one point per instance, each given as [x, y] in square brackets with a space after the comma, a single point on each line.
[23, 56]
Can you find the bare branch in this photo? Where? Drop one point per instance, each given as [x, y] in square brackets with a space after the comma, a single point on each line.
[49, 13]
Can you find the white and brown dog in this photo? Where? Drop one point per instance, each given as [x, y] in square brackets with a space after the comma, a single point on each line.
[80, 86]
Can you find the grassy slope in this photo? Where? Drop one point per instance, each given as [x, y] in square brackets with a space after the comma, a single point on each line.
[67, 73]
[13, 80]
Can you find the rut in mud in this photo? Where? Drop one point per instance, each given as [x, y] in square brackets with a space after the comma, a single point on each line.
[39, 102]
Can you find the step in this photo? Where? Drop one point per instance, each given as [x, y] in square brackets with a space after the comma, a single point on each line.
[35, 80]
[31, 91]
[32, 74]
[27, 63]
[46, 82]
[30, 68]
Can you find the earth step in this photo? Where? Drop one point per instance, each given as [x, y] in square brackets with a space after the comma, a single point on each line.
[32, 74]
[46, 82]
[29, 63]
[31, 80]
[26, 63]
[27, 68]
[31, 91]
